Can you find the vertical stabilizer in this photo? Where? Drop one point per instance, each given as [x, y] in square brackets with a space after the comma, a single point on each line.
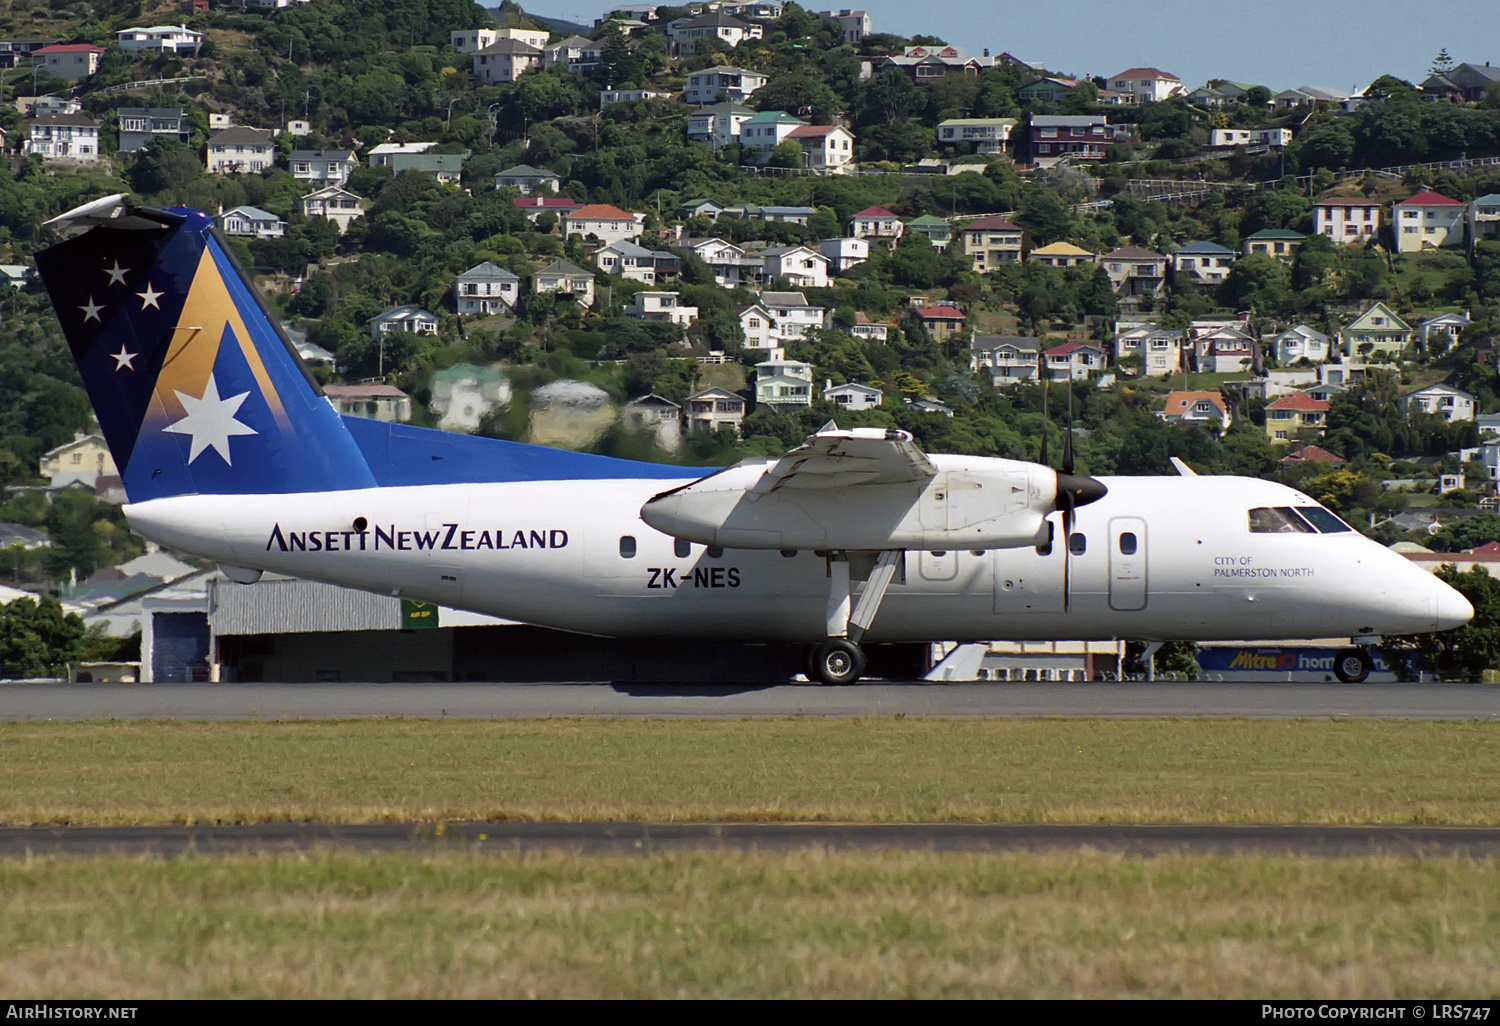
[195, 386]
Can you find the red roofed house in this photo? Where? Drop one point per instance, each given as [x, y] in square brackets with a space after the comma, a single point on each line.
[941, 321]
[876, 223]
[1292, 415]
[1313, 454]
[1346, 219]
[71, 61]
[991, 241]
[1146, 85]
[824, 147]
[1075, 361]
[1206, 408]
[535, 206]
[604, 222]
[1428, 220]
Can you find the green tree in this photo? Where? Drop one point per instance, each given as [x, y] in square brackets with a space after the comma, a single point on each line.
[37, 639]
[1464, 652]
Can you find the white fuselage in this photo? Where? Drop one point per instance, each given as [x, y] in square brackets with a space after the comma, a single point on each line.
[575, 555]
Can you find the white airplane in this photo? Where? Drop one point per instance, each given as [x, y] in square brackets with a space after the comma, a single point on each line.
[229, 451]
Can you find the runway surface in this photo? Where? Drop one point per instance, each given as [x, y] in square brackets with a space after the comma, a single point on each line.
[1197, 700]
[648, 838]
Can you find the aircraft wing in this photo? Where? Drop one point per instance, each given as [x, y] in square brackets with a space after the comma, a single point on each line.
[835, 458]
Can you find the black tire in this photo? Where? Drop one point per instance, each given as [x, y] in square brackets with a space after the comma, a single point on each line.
[1353, 665]
[838, 662]
[808, 661]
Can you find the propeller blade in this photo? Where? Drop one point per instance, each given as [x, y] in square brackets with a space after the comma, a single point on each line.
[1046, 387]
[1067, 461]
[1067, 526]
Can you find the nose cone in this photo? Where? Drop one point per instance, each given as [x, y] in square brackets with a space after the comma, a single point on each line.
[1453, 610]
[1082, 488]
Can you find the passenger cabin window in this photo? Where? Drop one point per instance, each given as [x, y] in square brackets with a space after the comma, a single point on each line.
[627, 546]
[714, 552]
[1077, 544]
[682, 549]
[1127, 544]
[1278, 520]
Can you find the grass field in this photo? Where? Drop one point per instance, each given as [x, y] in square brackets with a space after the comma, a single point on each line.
[809, 923]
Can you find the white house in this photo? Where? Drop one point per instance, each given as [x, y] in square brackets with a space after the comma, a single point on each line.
[473, 40]
[870, 331]
[986, 135]
[240, 150]
[603, 222]
[323, 167]
[608, 97]
[1008, 358]
[824, 147]
[1205, 262]
[1441, 331]
[1146, 85]
[1428, 220]
[759, 327]
[252, 222]
[1160, 350]
[719, 125]
[853, 396]
[404, 318]
[652, 413]
[1444, 400]
[793, 314]
[178, 39]
[844, 253]
[1075, 361]
[877, 223]
[661, 307]
[783, 385]
[687, 33]
[527, 178]
[73, 137]
[730, 264]
[1196, 408]
[140, 125]
[853, 25]
[504, 61]
[1346, 219]
[561, 276]
[380, 156]
[1300, 343]
[765, 131]
[720, 84]
[798, 265]
[576, 53]
[337, 204]
[636, 263]
[486, 289]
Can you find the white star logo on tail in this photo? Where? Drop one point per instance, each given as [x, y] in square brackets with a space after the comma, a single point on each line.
[123, 360]
[210, 421]
[116, 274]
[150, 296]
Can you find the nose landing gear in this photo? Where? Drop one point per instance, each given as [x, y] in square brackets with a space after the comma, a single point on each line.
[1353, 665]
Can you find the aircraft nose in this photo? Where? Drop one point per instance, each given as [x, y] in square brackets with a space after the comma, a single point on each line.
[1453, 610]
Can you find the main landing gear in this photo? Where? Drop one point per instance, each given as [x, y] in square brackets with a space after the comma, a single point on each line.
[1353, 665]
[839, 659]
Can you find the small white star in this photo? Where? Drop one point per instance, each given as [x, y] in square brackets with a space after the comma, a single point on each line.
[91, 312]
[123, 359]
[210, 421]
[116, 274]
[150, 296]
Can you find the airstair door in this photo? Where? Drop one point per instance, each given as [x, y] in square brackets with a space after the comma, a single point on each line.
[1127, 564]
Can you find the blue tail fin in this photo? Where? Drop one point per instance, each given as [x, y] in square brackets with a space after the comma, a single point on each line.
[194, 384]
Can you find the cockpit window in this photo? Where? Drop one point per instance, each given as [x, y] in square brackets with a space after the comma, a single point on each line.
[1323, 520]
[1278, 520]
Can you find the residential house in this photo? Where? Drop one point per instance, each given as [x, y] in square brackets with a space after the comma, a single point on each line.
[688, 33]
[931, 406]
[730, 264]
[609, 97]
[577, 53]
[1437, 334]
[1295, 416]
[990, 242]
[853, 25]
[853, 396]
[1204, 408]
[1346, 219]
[1243, 138]
[721, 84]
[338, 205]
[662, 307]
[561, 276]
[713, 408]
[793, 314]
[1428, 220]
[1159, 350]
[72, 137]
[634, 262]
[1206, 263]
[870, 331]
[1227, 350]
[797, 265]
[1063, 254]
[39, 105]
[535, 206]
[705, 208]
[1008, 358]
[1308, 96]
[385, 403]
[406, 318]
[1073, 137]
[447, 168]
[13, 51]
[527, 178]
[923, 64]
[603, 222]
[941, 321]
[1440, 400]
[719, 125]
[986, 135]
[1146, 85]
[1313, 454]
[380, 156]
[1375, 332]
[656, 415]
[240, 151]
[473, 40]
[844, 253]
[1281, 243]
[1074, 361]
[1299, 343]
[934, 229]
[1048, 90]
[1135, 271]
[1483, 217]
[486, 289]
[324, 167]
[70, 61]
[824, 147]
[781, 215]
[140, 125]
[783, 386]
[761, 134]
[760, 329]
[178, 39]
[251, 222]
[1467, 82]
[877, 223]
[505, 61]
[83, 460]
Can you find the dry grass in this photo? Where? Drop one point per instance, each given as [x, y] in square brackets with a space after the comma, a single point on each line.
[867, 770]
[810, 924]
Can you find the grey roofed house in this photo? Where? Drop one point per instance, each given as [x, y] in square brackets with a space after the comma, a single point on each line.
[252, 221]
[445, 167]
[140, 125]
[404, 318]
[486, 289]
[526, 178]
[795, 215]
[18, 536]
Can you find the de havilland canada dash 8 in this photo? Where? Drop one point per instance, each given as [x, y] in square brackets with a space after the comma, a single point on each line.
[230, 451]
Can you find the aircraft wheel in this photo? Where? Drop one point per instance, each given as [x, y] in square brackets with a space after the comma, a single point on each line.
[809, 661]
[1353, 665]
[838, 662]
